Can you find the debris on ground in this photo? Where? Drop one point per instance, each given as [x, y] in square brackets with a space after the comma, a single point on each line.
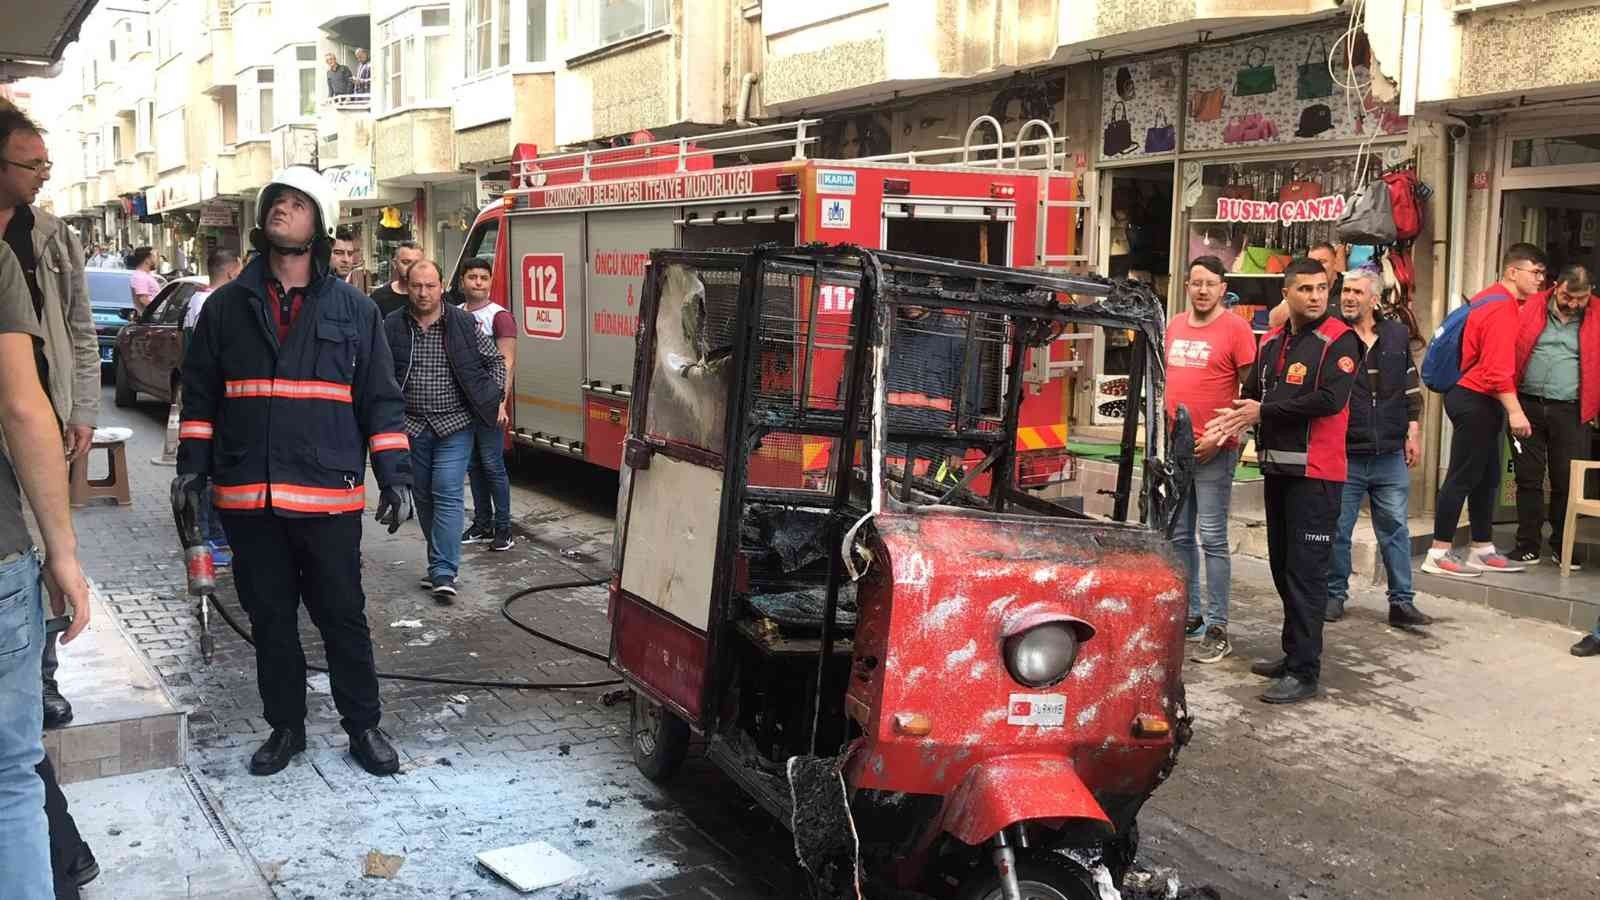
[381, 865]
[825, 838]
[460, 698]
[319, 684]
[564, 749]
[406, 623]
[272, 870]
[530, 866]
[612, 698]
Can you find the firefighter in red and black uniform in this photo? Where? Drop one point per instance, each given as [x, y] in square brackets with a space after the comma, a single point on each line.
[287, 384]
[1298, 393]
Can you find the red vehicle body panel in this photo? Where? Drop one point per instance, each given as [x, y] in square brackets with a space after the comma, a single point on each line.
[943, 578]
[659, 652]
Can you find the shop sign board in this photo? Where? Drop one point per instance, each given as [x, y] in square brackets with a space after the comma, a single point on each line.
[219, 215]
[1140, 106]
[1330, 208]
[174, 192]
[1276, 89]
[352, 182]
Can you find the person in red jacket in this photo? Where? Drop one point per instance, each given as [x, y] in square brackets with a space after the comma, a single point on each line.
[1481, 406]
[1558, 384]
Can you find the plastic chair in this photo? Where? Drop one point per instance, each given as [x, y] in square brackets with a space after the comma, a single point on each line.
[1577, 505]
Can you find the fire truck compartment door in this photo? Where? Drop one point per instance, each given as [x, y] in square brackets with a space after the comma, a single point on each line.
[620, 242]
[546, 254]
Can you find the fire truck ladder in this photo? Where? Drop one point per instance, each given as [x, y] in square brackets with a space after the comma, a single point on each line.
[1012, 154]
[596, 165]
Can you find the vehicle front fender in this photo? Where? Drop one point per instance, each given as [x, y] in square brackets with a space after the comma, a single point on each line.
[1010, 789]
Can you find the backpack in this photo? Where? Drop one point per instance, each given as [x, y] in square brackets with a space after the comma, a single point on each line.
[1403, 201]
[1441, 363]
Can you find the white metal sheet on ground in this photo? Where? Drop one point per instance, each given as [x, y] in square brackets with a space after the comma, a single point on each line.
[530, 866]
[672, 538]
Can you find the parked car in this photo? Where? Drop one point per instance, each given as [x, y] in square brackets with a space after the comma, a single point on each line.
[149, 350]
[111, 302]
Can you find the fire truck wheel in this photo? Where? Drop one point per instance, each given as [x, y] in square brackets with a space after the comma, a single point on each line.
[660, 739]
[1041, 874]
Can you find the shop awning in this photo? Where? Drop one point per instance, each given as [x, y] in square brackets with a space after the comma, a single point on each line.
[36, 33]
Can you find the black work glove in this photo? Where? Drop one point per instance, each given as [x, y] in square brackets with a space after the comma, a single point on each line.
[395, 506]
[188, 493]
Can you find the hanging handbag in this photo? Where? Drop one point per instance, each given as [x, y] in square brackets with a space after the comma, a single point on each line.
[1119, 133]
[1239, 191]
[1314, 120]
[1370, 218]
[1315, 79]
[1206, 106]
[1124, 83]
[1233, 132]
[1256, 77]
[1160, 137]
[1299, 189]
[1261, 261]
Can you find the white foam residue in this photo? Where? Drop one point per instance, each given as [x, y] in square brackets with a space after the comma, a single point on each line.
[1103, 884]
[999, 606]
[1089, 580]
[1013, 616]
[999, 572]
[1112, 604]
[1087, 714]
[1134, 639]
[914, 570]
[978, 671]
[936, 618]
[995, 716]
[913, 676]
[1044, 575]
[1084, 668]
[958, 657]
[1168, 596]
[406, 623]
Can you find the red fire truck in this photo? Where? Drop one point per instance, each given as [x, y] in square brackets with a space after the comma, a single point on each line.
[571, 237]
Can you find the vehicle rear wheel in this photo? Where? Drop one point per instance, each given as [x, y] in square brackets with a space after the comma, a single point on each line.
[1041, 874]
[660, 739]
[125, 393]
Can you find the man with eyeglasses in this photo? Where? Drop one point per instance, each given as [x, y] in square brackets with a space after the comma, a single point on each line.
[1558, 385]
[1209, 350]
[1481, 405]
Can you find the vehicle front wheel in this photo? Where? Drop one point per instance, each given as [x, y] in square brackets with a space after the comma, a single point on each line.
[660, 739]
[125, 392]
[1041, 874]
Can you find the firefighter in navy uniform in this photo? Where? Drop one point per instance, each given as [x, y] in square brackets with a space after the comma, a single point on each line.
[287, 383]
[1298, 393]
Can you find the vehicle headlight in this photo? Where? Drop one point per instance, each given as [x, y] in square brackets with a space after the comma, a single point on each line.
[1042, 655]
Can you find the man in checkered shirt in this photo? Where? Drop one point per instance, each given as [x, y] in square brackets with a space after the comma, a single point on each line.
[452, 375]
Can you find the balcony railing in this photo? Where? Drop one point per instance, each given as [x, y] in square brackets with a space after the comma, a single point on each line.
[350, 102]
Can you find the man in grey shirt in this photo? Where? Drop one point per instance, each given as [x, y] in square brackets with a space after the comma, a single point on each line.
[33, 462]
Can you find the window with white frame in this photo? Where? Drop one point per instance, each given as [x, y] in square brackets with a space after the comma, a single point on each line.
[305, 64]
[538, 44]
[413, 62]
[171, 140]
[487, 35]
[144, 126]
[255, 104]
[597, 23]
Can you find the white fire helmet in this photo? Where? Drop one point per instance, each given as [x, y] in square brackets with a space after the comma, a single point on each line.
[313, 184]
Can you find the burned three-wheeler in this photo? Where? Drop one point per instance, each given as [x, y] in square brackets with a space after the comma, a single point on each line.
[946, 684]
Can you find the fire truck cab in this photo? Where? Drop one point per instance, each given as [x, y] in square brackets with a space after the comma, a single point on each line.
[570, 239]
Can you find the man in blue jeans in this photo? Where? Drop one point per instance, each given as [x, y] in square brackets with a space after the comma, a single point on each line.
[1382, 444]
[33, 462]
[491, 487]
[1208, 351]
[453, 377]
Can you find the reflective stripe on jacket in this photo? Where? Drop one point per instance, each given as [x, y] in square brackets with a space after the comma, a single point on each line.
[1303, 382]
[288, 428]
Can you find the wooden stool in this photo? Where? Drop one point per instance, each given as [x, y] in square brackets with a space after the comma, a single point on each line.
[114, 485]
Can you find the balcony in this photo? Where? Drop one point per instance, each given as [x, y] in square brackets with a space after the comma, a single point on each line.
[344, 130]
[128, 180]
[217, 72]
[414, 147]
[1491, 63]
[1123, 27]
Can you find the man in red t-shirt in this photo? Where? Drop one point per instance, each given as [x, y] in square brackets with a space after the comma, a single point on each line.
[1208, 352]
[1481, 406]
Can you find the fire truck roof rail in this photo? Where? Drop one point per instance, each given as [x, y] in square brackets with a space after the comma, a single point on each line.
[1054, 148]
[595, 163]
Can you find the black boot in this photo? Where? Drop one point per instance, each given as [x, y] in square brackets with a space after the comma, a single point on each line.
[374, 752]
[1289, 689]
[275, 754]
[1271, 668]
[1589, 646]
[1334, 611]
[57, 711]
[1407, 615]
[84, 868]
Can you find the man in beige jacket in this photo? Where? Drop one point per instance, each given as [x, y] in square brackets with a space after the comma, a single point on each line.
[69, 358]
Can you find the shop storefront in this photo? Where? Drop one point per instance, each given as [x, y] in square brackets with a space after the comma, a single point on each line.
[452, 206]
[1248, 151]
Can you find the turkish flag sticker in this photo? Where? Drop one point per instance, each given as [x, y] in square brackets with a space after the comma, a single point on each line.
[1347, 365]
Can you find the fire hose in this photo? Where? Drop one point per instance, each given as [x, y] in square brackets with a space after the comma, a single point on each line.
[201, 572]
